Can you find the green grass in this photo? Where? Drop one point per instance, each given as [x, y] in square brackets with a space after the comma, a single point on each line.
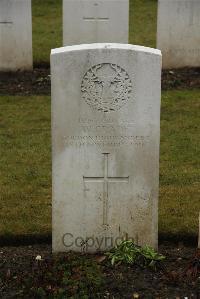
[25, 177]
[179, 162]
[142, 24]
[25, 159]
[47, 26]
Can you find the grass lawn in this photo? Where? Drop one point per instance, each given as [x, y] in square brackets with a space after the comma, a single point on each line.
[25, 159]
[179, 160]
[143, 22]
[47, 26]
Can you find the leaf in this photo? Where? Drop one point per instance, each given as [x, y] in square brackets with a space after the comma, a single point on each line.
[113, 260]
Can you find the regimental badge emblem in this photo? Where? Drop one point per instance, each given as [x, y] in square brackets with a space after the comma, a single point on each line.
[106, 87]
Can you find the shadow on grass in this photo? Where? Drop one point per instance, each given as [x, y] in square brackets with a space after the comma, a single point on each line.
[183, 238]
[23, 240]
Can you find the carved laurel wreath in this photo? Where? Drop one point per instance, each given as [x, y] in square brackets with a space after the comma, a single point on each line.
[106, 87]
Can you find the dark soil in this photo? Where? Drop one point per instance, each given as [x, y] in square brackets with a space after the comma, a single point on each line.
[181, 78]
[22, 276]
[35, 82]
[38, 81]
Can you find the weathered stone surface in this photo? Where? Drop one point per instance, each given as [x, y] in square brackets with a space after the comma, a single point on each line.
[178, 32]
[15, 35]
[95, 21]
[105, 134]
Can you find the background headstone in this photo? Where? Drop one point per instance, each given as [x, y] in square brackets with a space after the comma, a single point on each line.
[105, 132]
[178, 32]
[95, 21]
[15, 35]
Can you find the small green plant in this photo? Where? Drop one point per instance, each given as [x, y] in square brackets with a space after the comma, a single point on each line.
[125, 252]
[130, 253]
[150, 256]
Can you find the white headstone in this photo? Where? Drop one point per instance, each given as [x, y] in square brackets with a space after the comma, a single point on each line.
[178, 32]
[15, 35]
[95, 21]
[105, 133]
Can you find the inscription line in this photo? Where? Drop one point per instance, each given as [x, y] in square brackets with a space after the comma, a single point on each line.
[95, 19]
[6, 22]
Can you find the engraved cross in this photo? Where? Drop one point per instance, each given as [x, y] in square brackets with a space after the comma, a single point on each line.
[96, 16]
[106, 179]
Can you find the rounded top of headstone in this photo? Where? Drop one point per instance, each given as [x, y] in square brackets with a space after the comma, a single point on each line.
[101, 46]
